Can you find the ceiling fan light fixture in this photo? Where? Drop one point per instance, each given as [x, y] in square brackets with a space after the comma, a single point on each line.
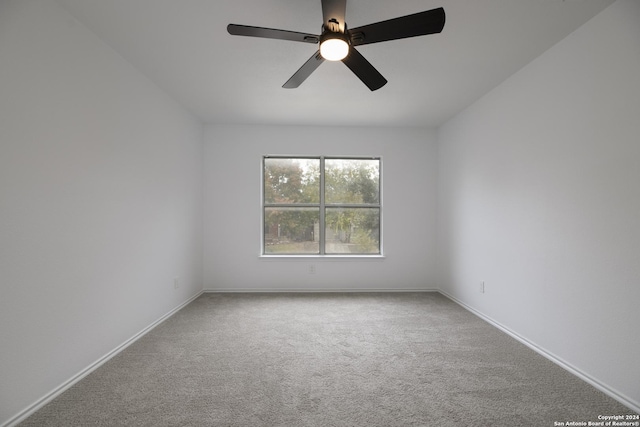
[337, 43]
[334, 47]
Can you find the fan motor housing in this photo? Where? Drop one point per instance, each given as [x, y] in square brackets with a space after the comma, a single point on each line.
[326, 35]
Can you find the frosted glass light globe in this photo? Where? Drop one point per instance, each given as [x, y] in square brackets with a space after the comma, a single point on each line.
[334, 49]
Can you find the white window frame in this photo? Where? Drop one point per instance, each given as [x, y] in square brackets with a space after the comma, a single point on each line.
[322, 206]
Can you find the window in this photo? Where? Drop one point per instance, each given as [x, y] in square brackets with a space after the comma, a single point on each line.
[321, 206]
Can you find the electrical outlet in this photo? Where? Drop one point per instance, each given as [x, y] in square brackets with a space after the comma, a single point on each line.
[176, 283]
[482, 287]
[312, 269]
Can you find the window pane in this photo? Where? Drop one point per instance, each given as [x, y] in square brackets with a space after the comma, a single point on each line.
[291, 230]
[352, 181]
[352, 230]
[291, 180]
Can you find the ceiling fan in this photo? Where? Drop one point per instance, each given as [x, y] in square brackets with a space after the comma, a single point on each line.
[337, 42]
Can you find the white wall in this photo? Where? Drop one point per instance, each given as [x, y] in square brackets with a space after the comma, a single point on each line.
[100, 201]
[232, 209]
[539, 196]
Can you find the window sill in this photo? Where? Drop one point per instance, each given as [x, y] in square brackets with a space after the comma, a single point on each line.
[319, 257]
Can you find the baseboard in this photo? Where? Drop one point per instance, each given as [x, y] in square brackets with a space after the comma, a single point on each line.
[309, 290]
[25, 413]
[609, 391]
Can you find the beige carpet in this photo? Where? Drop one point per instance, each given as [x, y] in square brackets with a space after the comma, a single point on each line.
[413, 359]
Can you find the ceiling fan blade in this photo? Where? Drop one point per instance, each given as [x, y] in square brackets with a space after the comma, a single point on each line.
[270, 33]
[418, 24]
[333, 12]
[304, 71]
[364, 70]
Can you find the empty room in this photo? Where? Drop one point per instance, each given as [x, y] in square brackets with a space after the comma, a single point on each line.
[209, 216]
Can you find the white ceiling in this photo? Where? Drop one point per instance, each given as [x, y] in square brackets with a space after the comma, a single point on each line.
[184, 47]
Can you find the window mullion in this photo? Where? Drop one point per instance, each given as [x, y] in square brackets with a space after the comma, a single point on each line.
[322, 210]
[291, 205]
[351, 205]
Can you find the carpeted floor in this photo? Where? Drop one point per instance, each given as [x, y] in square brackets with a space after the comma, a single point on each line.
[372, 359]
